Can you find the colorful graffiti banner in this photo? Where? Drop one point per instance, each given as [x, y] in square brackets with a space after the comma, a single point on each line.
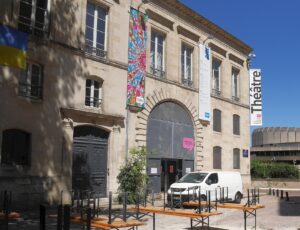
[136, 59]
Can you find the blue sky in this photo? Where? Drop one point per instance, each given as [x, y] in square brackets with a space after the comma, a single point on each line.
[272, 29]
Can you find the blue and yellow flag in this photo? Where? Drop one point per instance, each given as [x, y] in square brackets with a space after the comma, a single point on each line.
[13, 47]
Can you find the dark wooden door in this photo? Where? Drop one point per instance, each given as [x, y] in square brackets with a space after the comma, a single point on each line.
[90, 162]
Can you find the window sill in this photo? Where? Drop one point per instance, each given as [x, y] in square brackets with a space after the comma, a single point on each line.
[217, 132]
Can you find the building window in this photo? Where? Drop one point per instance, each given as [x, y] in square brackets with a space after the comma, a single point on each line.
[31, 81]
[217, 157]
[34, 17]
[236, 158]
[93, 93]
[236, 124]
[15, 147]
[186, 65]
[157, 67]
[235, 84]
[216, 77]
[217, 120]
[95, 30]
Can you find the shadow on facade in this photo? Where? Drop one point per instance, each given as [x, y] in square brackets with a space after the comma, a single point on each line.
[64, 69]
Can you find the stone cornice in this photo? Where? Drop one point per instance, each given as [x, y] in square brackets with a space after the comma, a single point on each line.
[183, 31]
[160, 19]
[203, 23]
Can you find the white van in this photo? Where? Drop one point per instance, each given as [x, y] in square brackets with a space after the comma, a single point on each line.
[208, 181]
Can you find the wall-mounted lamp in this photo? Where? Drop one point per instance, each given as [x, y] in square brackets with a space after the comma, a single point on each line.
[250, 58]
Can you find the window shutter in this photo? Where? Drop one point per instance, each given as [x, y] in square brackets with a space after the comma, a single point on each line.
[217, 124]
[236, 158]
[217, 157]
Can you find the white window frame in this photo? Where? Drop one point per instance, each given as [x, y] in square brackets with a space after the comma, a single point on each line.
[184, 64]
[92, 93]
[213, 75]
[28, 79]
[237, 95]
[95, 15]
[156, 50]
[33, 17]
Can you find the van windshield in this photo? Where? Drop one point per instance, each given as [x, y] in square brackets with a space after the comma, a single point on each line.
[193, 178]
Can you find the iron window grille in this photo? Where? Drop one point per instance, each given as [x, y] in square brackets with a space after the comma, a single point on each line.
[95, 31]
[30, 83]
[16, 146]
[234, 98]
[216, 92]
[217, 120]
[236, 124]
[93, 93]
[217, 157]
[236, 158]
[34, 17]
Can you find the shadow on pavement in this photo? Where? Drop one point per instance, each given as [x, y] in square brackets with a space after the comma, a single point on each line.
[291, 207]
[206, 228]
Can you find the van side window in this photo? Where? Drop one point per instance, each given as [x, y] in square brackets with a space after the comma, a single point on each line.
[213, 178]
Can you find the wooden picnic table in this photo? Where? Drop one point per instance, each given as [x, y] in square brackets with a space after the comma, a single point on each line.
[248, 210]
[202, 217]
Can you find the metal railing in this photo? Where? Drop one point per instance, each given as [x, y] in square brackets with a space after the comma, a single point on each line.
[31, 91]
[96, 52]
[187, 82]
[216, 92]
[235, 98]
[157, 72]
[93, 101]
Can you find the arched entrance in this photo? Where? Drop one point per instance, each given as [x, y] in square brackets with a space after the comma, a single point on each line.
[90, 159]
[170, 143]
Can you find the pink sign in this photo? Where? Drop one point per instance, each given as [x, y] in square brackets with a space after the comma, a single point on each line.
[188, 143]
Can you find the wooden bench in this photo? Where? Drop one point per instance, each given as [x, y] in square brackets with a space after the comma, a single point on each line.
[102, 223]
[11, 215]
[202, 217]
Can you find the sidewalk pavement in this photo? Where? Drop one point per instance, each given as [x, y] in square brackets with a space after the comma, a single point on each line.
[277, 215]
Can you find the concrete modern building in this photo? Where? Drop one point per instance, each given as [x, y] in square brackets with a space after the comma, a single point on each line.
[279, 144]
[64, 123]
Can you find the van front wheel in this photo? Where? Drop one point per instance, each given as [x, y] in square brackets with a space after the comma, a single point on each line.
[238, 197]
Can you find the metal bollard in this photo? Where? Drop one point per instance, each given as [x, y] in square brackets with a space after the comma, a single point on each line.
[59, 217]
[287, 196]
[281, 194]
[88, 218]
[277, 193]
[270, 192]
[109, 208]
[66, 217]
[42, 217]
[273, 192]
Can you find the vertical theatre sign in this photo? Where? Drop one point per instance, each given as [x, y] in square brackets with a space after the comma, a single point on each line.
[204, 83]
[136, 60]
[255, 97]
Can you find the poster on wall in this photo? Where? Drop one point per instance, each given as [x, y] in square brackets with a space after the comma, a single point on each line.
[255, 97]
[204, 83]
[136, 60]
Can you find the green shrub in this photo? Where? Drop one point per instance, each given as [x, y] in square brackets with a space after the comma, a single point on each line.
[132, 177]
[269, 169]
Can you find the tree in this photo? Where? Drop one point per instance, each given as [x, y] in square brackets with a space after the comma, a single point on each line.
[132, 177]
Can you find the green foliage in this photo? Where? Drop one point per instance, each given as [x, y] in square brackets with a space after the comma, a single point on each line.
[269, 169]
[132, 177]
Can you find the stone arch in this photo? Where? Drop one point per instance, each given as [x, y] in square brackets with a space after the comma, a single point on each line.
[160, 96]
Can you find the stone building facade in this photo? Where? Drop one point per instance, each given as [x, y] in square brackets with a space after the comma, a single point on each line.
[66, 112]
